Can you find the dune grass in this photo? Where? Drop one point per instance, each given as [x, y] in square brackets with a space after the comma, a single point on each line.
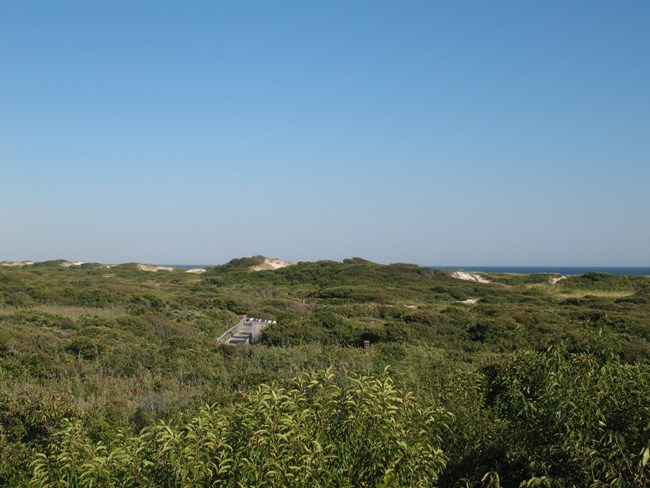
[70, 312]
[596, 293]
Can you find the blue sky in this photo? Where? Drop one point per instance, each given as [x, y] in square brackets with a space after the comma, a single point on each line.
[491, 133]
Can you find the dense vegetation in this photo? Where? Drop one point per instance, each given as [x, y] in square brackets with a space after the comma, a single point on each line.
[112, 377]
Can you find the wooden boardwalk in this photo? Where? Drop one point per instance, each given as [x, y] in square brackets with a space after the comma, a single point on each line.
[247, 331]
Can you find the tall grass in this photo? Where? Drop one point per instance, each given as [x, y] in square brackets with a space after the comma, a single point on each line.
[70, 312]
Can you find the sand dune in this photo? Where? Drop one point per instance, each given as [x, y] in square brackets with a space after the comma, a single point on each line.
[463, 275]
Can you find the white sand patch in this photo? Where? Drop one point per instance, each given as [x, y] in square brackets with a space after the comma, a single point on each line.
[148, 268]
[272, 263]
[69, 264]
[153, 269]
[463, 275]
[556, 279]
[470, 301]
[413, 307]
[16, 263]
[196, 270]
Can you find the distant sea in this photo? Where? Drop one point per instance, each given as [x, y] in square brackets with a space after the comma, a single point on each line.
[564, 270]
[188, 266]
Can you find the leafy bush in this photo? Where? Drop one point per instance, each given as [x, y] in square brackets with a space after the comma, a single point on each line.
[318, 431]
[574, 419]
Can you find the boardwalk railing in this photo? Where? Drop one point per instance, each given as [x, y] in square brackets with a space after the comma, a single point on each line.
[225, 337]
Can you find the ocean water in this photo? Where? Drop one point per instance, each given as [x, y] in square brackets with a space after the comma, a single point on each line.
[188, 266]
[563, 270]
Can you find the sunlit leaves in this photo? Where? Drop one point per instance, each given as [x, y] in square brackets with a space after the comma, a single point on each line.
[319, 430]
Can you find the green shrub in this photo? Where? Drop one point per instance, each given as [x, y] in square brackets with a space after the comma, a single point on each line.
[318, 431]
[577, 420]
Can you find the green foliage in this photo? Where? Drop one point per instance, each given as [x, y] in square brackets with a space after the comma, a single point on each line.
[107, 371]
[574, 419]
[28, 420]
[314, 432]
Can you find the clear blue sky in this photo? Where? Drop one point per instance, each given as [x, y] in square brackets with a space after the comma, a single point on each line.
[492, 133]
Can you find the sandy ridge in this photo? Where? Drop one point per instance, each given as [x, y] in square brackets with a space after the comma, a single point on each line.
[463, 275]
[272, 263]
